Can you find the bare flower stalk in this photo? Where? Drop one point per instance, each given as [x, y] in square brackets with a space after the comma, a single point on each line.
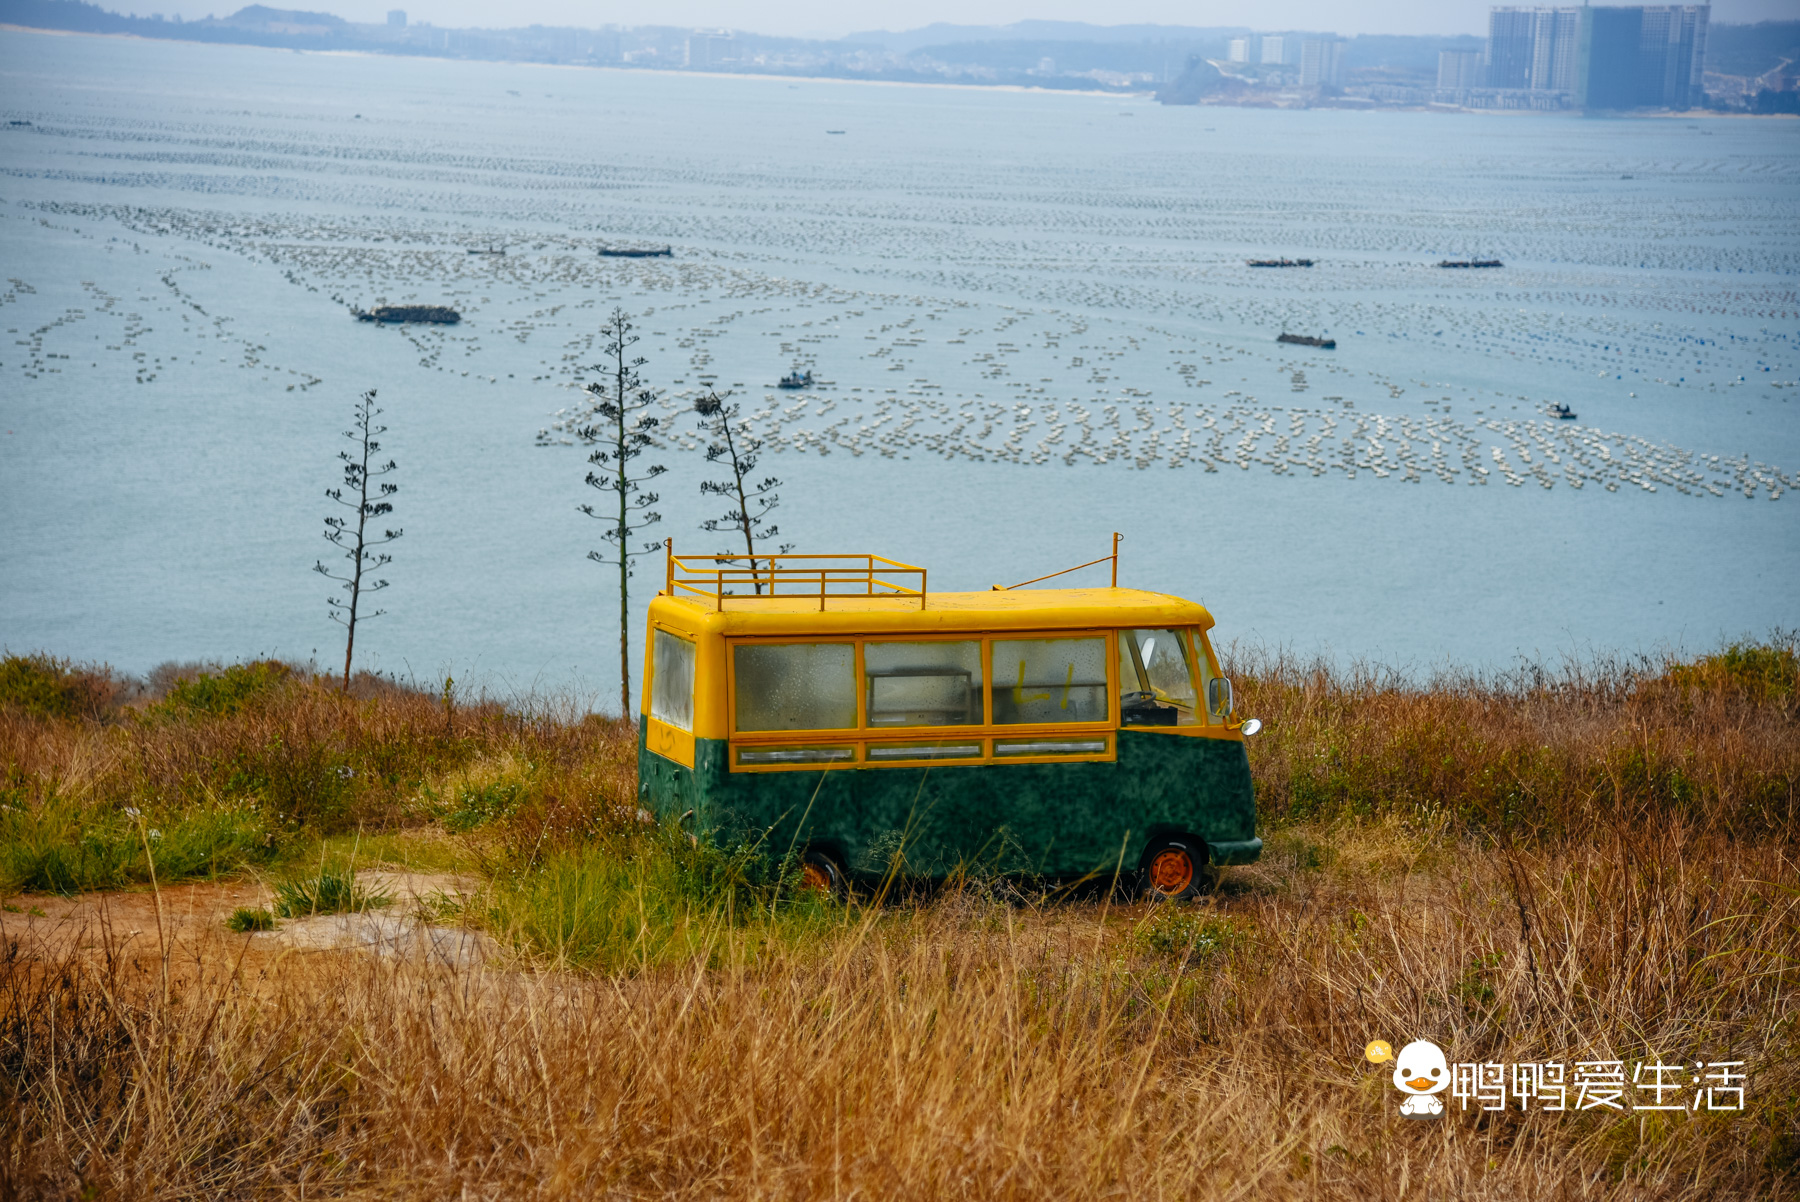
[352, 536]
[619, 431]
[738, 449]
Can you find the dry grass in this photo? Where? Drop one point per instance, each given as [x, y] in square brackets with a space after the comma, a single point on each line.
[1546, 870]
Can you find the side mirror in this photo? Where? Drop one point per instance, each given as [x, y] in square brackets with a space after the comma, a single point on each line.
[1218, 696]
[1251, 726]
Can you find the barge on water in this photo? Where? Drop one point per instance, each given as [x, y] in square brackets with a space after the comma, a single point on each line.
[1279, 262]
[1471, 263]
[397, 314]
[635, 252]
[1329, 344]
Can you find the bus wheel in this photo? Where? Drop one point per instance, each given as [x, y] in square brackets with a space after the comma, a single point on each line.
[819, 873]
[1176, 870]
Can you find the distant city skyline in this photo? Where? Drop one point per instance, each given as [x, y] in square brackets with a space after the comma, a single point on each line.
[829, 19]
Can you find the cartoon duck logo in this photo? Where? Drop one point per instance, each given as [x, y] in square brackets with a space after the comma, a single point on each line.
[1421, 1072]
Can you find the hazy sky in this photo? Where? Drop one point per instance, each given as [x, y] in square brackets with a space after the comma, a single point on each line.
[832, 18]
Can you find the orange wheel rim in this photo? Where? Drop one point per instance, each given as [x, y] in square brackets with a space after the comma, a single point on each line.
[815, 878]
[1171, 870]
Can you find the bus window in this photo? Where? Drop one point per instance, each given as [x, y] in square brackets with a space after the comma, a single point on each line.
[672, 686]
[795, 686]
[1156, 687]
[922, 684]
[1049, 680]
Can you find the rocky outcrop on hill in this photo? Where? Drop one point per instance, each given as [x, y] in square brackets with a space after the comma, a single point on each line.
[1200, 78]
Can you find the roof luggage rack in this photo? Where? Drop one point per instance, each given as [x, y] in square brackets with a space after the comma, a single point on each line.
[750, 578]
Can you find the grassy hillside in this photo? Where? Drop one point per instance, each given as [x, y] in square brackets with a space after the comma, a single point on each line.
[1592, 864]
[1751, 49]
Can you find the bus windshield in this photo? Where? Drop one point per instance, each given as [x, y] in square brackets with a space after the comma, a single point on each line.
[1156, 685]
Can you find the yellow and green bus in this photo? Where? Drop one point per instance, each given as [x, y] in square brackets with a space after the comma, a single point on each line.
[831, 705]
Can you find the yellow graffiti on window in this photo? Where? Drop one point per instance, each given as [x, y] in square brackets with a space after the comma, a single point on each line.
[1019, 697]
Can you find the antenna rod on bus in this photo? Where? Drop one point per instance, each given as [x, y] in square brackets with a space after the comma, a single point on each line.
[1002, 588]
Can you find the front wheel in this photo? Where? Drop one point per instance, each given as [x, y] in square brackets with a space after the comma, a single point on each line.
[1175, 869]
[820, 873]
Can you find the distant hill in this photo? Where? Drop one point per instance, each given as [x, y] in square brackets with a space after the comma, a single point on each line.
[283, 20]
[256, 25]
[1751, 49]
[1156, 58]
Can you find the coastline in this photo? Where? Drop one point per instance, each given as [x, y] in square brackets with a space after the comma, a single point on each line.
[620, 67]
[1138, 94]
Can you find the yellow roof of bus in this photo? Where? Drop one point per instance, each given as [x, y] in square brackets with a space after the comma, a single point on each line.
[995, 610]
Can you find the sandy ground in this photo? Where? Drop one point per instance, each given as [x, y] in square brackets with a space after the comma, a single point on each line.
[140, 923]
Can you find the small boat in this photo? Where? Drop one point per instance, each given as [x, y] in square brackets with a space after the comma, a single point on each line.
[1279, 262]
[1471, 263]
[634, 252]
[1561, 412]
[1329, 344]
[834, 131]
[397, 314]
[489, 250]
[794, 379]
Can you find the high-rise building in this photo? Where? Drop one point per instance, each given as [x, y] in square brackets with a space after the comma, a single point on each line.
[1244, 49]
[1646, 57]
[1511, 34]
[1603, 57]
[1459, 70]
[1555, 45]
[1322, 62]
[1533, 48]
[707, 48]
[1281, 49]
[397, 18]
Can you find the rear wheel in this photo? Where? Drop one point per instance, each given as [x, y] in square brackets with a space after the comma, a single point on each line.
[1175, 869]
[821, 873]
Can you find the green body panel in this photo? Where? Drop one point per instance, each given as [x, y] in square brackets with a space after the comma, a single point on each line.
[1055, 819]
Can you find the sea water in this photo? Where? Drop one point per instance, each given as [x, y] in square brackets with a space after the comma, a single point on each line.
[1028, 317]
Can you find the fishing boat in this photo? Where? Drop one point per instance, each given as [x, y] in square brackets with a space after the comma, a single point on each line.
[1561, 412]
[1329, 344]
[1279, 262]
[398, 314]
[1471, 263]
[637, 252]
[487, 250]
[794, 379]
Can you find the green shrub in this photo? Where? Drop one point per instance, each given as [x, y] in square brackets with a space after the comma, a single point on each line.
[1187, 934]
[62, 848]
[229, 691]
[244, 920]
[474, 807]
[1763, 671]
[328, 891]
[47, 687]
[642, 899]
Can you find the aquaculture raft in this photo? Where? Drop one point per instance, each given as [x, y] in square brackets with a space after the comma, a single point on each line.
[397, 314]
[1279, 262]
[628, 252]
[1471, 263]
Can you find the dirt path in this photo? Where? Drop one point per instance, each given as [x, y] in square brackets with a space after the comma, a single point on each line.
[139, 923]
